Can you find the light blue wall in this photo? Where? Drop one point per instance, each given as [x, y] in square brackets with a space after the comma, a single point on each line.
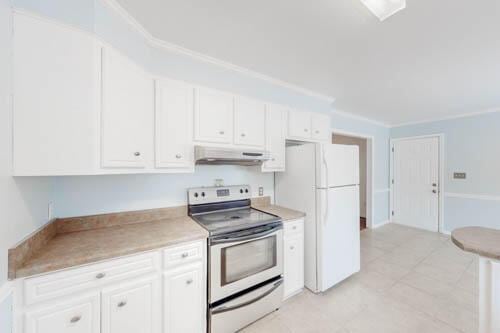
[472, 145]
[76, 196]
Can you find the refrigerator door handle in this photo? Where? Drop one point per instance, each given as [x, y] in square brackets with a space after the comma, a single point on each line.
[327, 183]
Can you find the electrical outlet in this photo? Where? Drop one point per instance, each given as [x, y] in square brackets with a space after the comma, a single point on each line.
[459, 175]
[261, 191]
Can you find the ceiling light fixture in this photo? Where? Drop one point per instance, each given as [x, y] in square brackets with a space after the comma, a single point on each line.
[384, 8]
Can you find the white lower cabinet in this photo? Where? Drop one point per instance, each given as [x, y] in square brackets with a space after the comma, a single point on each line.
[184, 299]
[79, 315]
[133, 307]
[168, 297]
[293, 257]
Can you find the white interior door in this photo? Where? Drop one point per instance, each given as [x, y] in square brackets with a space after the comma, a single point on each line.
[416, 183]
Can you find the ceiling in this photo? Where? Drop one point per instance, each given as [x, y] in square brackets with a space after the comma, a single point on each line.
[435, 59]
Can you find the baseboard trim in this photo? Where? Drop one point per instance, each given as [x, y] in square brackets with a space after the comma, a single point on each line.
[376, 226]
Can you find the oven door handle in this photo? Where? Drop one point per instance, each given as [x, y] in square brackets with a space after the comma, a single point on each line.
[223, 308]
[246, 237]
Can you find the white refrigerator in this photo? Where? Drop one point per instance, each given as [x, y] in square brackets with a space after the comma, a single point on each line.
[322, 180]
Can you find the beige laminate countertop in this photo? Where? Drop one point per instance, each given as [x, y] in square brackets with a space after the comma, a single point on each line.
[482, 241]
[286, 214]
[84, 240]
[88, 246]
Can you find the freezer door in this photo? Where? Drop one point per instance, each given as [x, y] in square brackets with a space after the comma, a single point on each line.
[337, 165]
[338, 236]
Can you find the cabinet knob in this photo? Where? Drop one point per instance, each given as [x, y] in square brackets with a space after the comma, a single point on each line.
[243, 135]
[137, 153]
[294, 227]
[75, 319]
[122, 304]
[292, 247]
[306, 130]
[221, 132]
[185, 255]
[189, 281]
[273, 159]
[178, 156]
[317, 132]
[100, 276]
[434, 191]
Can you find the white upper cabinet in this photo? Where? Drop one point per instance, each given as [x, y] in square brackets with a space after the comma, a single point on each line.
[320, 126]
[174, 123]
[127, 113]
[275, 138]
[213, 121]
[299, 125]
[132, 308]
[249, 122]
[56, 91]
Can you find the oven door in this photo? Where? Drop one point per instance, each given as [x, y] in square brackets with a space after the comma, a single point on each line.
[244, 259]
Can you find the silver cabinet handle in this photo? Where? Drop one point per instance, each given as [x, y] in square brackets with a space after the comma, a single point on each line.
[221, 132]
[137, 153]
[189, 281]
[100, 276]
[178, 156]
[434, 185]
[122, 304]
[185, 255]
[75, 319]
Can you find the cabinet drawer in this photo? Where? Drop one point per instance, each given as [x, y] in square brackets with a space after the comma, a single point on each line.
[42, 288]
[182, 254]
[293, 227]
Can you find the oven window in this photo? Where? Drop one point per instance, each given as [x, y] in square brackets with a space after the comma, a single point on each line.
[246, 259]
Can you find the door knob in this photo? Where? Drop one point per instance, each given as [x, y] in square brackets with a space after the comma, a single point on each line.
[434, 184]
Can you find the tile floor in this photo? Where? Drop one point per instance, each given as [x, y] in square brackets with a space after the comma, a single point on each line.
[410, 281]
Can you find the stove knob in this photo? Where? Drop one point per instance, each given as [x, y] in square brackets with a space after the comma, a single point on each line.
[196, 194]
[246, 190]
[241, 190]
[202, 194]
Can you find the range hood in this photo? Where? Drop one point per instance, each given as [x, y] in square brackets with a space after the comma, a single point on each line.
[217, 156]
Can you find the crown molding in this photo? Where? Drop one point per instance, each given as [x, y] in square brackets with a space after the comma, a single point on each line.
[361, 118]
[433, 120]
[162, 44]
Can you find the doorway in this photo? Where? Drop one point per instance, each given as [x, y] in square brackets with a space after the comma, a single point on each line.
[365, 173]
[417, 170]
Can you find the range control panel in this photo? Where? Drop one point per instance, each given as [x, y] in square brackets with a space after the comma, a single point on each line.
[204, 195]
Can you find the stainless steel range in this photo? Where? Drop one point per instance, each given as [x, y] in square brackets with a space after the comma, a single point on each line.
[245, 256]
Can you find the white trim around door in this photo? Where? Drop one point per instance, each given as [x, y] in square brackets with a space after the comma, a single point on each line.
[441, 138]
[370, 172]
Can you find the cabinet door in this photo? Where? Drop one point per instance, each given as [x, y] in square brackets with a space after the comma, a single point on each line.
[184, 299]
[133, 307]
[174, 117]
[56, 92]
[213, 120]
[294, 264]
[299, 125]
[275, 138]
[320, 125]
[249, 122]
[127, 112]
[73, 316]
